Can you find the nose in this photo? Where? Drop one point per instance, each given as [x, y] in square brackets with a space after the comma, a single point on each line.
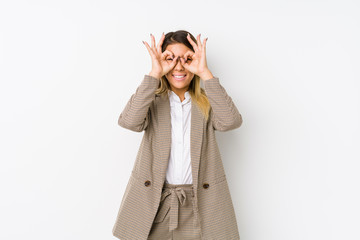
[178, 65]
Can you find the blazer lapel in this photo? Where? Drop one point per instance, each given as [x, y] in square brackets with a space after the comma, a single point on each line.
[196, 137]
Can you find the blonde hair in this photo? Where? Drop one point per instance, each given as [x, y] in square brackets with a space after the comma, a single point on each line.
[198, 95]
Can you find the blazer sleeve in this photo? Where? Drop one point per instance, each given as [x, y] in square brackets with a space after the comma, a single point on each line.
[136, 114]
[224, 114]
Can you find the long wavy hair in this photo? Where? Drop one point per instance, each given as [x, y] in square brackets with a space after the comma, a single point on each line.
[197, 93]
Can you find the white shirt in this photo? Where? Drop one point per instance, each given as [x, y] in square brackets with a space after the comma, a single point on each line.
[179, 167]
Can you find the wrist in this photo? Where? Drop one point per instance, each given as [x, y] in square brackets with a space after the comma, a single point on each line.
[155, 75]
[206, 75]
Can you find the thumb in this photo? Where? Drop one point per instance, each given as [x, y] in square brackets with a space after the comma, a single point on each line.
[186, 65]
[174, 62]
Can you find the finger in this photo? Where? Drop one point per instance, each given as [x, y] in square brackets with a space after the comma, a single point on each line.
[160, 43]
[149, 49]
[192, 42]
[188, 54]
[199, 41]
[183, 62]
[204, 44]
[167, 53]
[152, 41]
[174, 62]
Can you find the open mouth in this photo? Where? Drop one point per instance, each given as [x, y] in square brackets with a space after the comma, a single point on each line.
[179, 77]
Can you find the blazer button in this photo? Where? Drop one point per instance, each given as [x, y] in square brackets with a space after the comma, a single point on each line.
[205, 185]
[147, 183]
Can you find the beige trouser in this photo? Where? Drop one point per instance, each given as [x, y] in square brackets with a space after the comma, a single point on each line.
[175, 218]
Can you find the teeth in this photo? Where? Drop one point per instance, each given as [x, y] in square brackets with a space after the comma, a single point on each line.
[179, 76]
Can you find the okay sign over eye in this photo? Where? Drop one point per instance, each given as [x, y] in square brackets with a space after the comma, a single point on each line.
[160, 60]
[196, 62]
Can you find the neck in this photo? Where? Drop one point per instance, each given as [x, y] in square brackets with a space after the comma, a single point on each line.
[180, 93]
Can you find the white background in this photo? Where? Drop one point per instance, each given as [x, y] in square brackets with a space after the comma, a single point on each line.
[68, 68]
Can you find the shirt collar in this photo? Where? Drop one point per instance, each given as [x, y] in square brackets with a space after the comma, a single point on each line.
[175, 98]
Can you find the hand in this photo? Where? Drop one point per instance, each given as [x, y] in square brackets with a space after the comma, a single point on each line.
[160, 66]
[197, 63]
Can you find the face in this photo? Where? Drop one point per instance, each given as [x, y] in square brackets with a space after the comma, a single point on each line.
[179, 85]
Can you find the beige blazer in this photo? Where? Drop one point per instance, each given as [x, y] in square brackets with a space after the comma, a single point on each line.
[150, 112]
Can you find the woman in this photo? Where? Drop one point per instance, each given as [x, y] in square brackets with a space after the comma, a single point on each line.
[178, 187]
